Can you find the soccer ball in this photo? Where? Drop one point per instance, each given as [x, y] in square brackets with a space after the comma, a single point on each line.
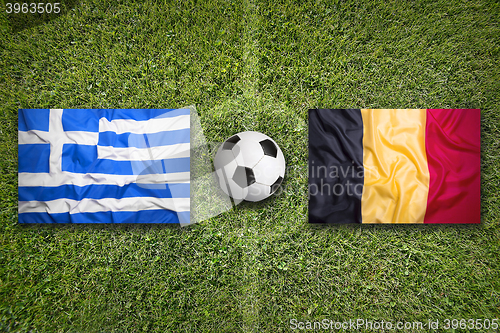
[249, 166]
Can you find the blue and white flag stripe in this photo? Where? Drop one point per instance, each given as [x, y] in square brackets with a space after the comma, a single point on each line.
[74, 192]
[104, 166]
[76, 119]
[100, 205]
[120, 126]
[116, 163]
[144, 140]
[156, 216]
[45, 179]
[180, 150]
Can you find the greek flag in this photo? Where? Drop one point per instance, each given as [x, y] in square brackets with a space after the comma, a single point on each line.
[104, 166]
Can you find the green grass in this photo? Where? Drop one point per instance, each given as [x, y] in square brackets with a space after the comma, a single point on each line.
[250, 65]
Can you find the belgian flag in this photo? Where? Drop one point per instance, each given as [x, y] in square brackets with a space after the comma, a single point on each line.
[394, 166]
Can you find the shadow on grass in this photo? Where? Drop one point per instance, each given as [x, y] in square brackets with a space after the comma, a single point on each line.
[418, 227]
[21, 21]
[120, 227]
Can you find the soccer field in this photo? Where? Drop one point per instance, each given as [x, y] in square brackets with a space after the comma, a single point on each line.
[250, 65]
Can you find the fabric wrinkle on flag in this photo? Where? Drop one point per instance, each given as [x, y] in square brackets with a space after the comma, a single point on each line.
[82, 165]
[417, 166]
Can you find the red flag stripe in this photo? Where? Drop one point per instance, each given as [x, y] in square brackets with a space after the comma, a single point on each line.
[452, 142]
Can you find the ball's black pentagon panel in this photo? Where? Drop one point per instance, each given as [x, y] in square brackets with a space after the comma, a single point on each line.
[269, 148]
[229, 144]
[276, 184]
[243, 176]
[250, 176]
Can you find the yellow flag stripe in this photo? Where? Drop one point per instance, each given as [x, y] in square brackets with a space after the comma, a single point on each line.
[396, 182]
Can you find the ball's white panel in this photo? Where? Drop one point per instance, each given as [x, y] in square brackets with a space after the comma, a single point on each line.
[223, 158]
[247, 153]
[227, 170]
[257, 192]
[254, 136]
[268, 170]
[227, 184]
[237, 192]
